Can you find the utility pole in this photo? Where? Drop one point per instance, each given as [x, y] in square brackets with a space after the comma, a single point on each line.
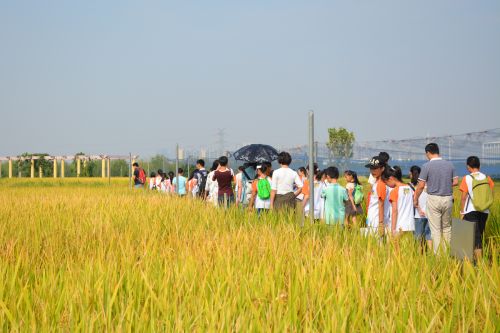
[177, 169]
[311, 167]
[130, 170]
[316, 152]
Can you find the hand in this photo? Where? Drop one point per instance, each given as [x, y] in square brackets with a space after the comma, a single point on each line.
[415, 203]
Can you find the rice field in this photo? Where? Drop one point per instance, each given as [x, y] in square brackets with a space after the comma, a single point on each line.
[81, 255]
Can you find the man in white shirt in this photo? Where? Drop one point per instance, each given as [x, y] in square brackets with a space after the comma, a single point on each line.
[282, 184]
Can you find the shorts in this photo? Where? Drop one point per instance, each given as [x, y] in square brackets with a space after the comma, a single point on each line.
[480, 219]
[422, 229]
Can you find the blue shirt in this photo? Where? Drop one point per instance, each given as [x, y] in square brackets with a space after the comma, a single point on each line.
[182, 184]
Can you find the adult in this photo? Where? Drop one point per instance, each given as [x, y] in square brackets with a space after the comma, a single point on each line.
[439, 177]
[282, 184]
[200, 176]
[138, 176]
[224, 178]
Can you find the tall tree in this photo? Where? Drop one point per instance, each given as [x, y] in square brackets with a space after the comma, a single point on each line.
[341, 144]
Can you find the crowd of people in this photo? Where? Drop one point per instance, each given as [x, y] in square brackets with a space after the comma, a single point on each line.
[422, 207]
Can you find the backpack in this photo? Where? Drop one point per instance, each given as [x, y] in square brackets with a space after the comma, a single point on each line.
[142, 176]
[483, 196]
[203, 182]
[263, 189]
[358, 194]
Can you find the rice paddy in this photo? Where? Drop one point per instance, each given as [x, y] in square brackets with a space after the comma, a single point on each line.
[82, 255]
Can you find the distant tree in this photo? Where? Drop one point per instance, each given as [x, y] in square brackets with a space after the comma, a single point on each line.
[156, 162]
[119, 168]
[87, 168]
[24, 165]
[341, 144]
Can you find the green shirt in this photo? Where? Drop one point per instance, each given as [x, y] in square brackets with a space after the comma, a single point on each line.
[334, 195]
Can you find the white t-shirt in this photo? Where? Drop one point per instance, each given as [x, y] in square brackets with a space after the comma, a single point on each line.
[262, 203]
[152, 182]
[238, 184]
[319, 202]
[422, 203]
[403, 196]
[165, 185]
[284, 179]
[382, 191]
[158, 183]
[212, 188]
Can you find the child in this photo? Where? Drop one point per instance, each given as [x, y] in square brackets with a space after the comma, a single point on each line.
[181, 189]
[401, 199]
[261, 191]
[302, 172]
[378, 209]
[335, 196]
[152, 181]
[159, 180]
[384, 159]
[238, 187]
[191, 184]
[422, 229]
[211, 187]
[351, 208]
[477, 197]
[319, 186]
[166, 184]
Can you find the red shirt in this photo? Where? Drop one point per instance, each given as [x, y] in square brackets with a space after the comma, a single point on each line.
[224, 179]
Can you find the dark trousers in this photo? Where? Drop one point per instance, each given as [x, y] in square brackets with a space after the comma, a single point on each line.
[225, 200]
[480, 219]
[284, 201]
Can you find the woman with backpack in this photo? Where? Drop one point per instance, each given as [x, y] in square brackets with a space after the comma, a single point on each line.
[261, 191]
[355, 194]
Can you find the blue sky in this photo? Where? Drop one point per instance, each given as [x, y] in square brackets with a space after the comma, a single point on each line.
[120, 76]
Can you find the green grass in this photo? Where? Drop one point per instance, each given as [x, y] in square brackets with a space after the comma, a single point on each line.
[81, 255]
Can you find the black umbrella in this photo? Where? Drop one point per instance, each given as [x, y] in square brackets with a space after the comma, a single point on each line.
[256, 153]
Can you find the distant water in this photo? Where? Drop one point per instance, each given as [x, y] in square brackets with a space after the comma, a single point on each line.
[492, 170]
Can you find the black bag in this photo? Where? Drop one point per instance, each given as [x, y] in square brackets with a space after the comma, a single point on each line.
[202, 182]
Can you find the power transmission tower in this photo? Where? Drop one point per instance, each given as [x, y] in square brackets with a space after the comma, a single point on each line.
[221, 140]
